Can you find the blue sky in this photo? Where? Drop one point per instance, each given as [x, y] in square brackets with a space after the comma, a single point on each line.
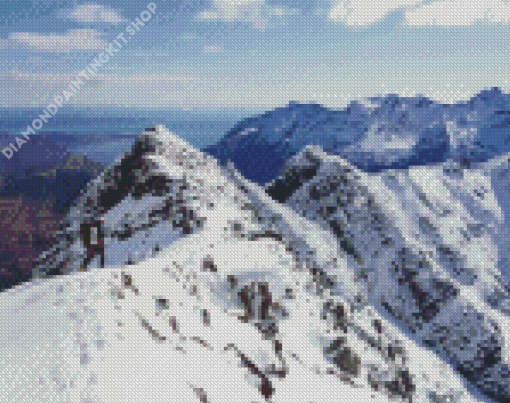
[196, 54]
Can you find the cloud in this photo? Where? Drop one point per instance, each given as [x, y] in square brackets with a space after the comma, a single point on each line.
[255, 12]
[95, 13]
[460, 13]
[74, 40]
[366, 12]
[231, 10]
[212, 49]
[360, 13]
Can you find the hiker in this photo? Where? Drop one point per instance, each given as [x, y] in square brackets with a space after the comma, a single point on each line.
[93, 238]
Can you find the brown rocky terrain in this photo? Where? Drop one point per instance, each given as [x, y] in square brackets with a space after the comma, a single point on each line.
[27, 228]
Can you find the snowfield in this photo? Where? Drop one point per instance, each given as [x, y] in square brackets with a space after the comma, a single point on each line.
[215, 292]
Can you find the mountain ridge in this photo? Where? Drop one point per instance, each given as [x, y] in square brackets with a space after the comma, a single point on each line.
[430, 225]
[374, 134]
[186, 286]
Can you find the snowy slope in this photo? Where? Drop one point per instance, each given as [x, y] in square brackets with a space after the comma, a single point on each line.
[154, 332]
[428, 241]
[498, 170]
[237, 298]
[385, 132]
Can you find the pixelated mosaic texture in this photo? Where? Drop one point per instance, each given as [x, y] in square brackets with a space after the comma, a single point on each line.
[310, 254]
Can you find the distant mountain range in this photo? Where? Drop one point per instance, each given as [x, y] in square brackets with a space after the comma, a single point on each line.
[44, 168]
[388, 132]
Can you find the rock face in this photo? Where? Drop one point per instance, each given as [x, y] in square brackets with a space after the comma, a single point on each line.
[427, 242]
[298, 170]
[214, 292]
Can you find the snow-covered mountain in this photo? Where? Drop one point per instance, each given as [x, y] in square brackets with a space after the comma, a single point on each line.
[215, 292]
[386, 132]
[431, 244]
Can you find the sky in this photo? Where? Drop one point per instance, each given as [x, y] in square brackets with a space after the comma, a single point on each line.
[194, 54]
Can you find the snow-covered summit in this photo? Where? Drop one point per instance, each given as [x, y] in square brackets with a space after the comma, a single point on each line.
[150, 185]
[212, 292]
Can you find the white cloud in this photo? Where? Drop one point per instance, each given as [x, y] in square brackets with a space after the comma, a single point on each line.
[77, 39]
[366, 12]
[251, 11]
[255, 12]
[231, 10]
[360, 13]
[212, 49]
[460, 13]
[95, 13]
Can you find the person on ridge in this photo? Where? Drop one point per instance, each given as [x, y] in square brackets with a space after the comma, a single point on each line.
[92, 236]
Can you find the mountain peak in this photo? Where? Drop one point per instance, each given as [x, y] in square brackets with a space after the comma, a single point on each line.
[158, 139]
[310, 153]
[491, 91]
[400, 219]
[489, 95]
[315, 156]
[302, 168]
